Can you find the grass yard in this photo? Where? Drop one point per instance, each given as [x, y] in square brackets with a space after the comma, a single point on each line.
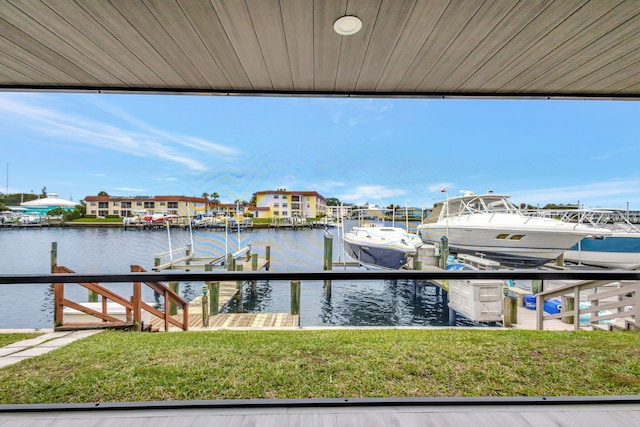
[126, 366]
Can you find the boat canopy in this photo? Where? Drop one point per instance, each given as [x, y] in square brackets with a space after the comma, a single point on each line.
[471, 203]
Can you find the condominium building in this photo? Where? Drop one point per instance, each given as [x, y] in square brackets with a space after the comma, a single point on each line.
[342, 211]
[103, 206]
[288, 204]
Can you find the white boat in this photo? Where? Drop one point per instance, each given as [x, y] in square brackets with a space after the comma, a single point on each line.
[620, 249]
[381, 247]
[159, 218]
[327, 222]
[489, 225]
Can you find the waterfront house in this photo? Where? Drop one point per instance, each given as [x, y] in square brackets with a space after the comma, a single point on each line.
[288, 204]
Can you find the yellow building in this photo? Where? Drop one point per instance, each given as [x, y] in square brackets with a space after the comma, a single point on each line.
[288, 204]
[124, 207]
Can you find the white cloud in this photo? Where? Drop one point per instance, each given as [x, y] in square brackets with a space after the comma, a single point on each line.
[143, 141]
[354, 112]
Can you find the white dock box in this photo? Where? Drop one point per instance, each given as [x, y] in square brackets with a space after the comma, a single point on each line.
[479, 300]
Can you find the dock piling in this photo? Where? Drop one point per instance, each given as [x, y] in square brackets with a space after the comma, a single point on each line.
[214, 300]
[173, 308]
[239, 284]
[295, 297]
[54, 256]
[328, 261]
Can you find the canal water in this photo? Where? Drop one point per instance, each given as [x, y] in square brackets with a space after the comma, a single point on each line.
[113, 250]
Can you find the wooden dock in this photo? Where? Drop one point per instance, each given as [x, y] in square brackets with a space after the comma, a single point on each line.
[231, 320]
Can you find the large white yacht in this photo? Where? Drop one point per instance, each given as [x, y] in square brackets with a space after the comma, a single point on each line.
[489, 225]
[620, 249]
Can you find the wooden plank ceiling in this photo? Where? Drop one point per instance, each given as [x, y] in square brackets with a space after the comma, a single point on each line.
[421, 48]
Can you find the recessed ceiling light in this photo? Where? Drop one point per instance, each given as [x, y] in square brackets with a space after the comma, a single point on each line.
[347, 25]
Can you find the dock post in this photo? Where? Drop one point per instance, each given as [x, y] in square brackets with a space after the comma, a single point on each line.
[205, 306]
[507, 311]
[230, 266]
[254, 267]
[267, 255]
[173, 308]
[568, 304]
[417, 265]
[54, 256]
[536, 286]
[214, 291]
[328, 261]
[156, 262]
[295, 297]
[444, 252]
[239, 283]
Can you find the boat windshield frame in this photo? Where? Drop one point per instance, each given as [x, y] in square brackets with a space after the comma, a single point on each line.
[476, 204]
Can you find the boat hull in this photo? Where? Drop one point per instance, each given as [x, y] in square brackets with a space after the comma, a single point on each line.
[379, 257]
[512, 246]
[621, 250]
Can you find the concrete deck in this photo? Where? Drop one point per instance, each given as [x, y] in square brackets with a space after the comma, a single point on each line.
[513, 412]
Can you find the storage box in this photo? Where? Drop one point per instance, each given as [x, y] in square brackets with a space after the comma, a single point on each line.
[530, 302]
[478, 300]
[552, 306]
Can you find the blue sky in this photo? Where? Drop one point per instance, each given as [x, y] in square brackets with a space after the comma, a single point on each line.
[381, 151]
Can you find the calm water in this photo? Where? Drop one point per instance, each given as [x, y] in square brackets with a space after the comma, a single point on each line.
[113, 250]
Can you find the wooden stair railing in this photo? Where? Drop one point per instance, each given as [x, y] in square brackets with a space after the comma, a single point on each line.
[133, 307]
[169, 297]
[626, 305]
[60, 302]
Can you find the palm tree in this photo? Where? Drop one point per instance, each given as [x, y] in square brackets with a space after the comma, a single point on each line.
[205, 195]
[215, 196]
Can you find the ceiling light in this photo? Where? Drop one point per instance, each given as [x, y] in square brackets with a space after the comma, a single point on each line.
[347, 25]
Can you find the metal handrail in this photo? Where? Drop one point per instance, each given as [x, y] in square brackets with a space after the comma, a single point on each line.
[177, 276]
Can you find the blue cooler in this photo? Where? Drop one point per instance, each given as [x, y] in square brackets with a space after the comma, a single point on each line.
[530, 302]
[552, 306]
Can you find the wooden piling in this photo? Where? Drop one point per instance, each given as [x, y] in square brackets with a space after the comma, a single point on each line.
[510, 312]
[295, 297]
[173, 308]
[214, 300]
[444, 252]
[328, 252]
[54, 256]
[267, 255]
[253, 285]
[239, 284]
[328, 261]
[205, 308]
[568, 304]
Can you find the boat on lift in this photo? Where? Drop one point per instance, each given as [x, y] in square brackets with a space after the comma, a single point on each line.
[620, 249]
[377, 246]
[490, 225]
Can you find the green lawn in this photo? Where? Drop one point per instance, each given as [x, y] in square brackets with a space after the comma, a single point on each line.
[84, 219]
[127, 366]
